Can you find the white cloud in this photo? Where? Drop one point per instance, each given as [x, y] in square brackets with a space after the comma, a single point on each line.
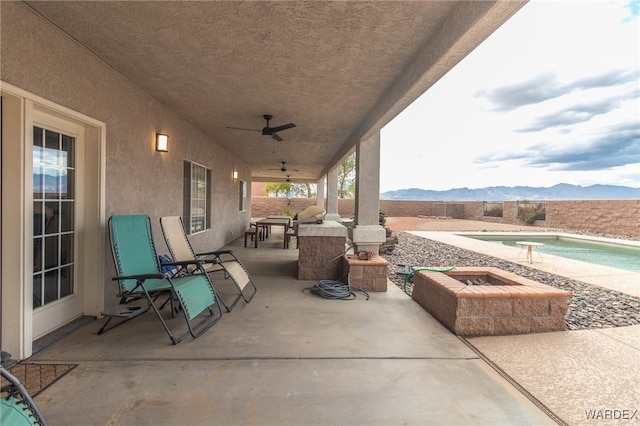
[437, 141]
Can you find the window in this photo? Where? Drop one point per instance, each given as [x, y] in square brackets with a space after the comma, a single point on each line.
[492, 209]
[529, 212]
[242, 190]
[197, 197]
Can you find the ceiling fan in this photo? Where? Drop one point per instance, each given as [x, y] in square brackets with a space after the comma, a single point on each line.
[268, 130]
[284, 168]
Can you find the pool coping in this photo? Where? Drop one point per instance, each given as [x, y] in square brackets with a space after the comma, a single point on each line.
[603, 276]
[591, 238]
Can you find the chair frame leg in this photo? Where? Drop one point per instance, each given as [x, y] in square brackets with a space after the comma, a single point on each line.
[201, 327]
[133, 311]
[17, 391]
[195, 331]
[241, 292]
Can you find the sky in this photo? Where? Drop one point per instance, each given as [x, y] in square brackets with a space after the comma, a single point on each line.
[553, 96]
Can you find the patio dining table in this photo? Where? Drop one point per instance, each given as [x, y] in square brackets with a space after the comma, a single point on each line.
[268, 222]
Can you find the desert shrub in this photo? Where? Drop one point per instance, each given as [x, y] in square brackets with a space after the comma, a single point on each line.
[530, 212]
[492, 209]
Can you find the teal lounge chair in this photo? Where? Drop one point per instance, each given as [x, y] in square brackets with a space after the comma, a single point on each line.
[224, 262]
[140, 277]
[17, 408]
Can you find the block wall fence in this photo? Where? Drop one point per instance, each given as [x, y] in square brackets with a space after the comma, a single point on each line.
[618, 217]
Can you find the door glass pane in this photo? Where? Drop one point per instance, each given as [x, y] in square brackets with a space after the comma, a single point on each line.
[37, 254]
[66, 249]
[38, 218]
[53, 215]
[67, 149]
[38, 164]
[52, 142]
[67, 189]
[38, 137]
[66, 216]
[51, 286]
[37, 290]
[50, 252]
[66, 281]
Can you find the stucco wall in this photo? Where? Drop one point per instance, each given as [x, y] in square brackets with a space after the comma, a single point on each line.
[40, 59]
[619, 217]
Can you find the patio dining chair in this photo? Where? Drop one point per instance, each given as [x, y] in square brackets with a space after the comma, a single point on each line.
[140, 277]
[221, 261]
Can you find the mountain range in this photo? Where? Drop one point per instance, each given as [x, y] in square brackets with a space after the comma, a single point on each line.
[562, 191]
[51, 184]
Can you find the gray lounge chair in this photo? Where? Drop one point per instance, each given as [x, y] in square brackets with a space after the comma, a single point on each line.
[221, 261]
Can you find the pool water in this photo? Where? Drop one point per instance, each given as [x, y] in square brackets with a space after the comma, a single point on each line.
[599, 253]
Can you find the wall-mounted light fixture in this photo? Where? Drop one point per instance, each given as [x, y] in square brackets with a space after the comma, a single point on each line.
[162, 142]
[235, 175]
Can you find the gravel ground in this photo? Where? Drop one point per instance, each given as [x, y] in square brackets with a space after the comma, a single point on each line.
[590, 307]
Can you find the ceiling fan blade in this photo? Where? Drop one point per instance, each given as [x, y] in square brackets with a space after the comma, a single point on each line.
[283, 127]
[276, 137]
[242, 128]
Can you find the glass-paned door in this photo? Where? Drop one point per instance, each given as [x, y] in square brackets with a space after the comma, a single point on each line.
[54, 206]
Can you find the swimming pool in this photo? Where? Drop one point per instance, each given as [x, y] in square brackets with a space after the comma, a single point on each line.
[598, 252]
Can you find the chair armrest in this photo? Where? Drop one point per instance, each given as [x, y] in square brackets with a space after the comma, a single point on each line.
[183, 266]
[216, 256]
[140, 277]
[215, 253]
[208, 257]
[183, 263]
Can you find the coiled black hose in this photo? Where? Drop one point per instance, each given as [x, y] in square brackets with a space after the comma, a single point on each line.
[330, 289]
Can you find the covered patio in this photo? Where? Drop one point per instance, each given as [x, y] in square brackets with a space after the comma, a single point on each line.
[287, 358]
[96, 85]
[159, 108]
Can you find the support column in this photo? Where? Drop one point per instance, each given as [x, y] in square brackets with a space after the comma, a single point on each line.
[320, 192]
[367, 234]
[332, 196]
[320, 249]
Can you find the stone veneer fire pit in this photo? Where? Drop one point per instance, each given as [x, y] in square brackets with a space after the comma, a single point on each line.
[508, 304]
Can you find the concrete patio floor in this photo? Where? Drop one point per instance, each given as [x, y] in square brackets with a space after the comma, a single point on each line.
[584, 377]
[287, 358]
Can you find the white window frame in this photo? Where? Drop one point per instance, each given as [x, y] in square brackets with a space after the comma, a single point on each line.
[243, 193]
[197, 197]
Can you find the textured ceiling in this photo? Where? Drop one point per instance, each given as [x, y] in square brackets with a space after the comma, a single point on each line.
[324, 66]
